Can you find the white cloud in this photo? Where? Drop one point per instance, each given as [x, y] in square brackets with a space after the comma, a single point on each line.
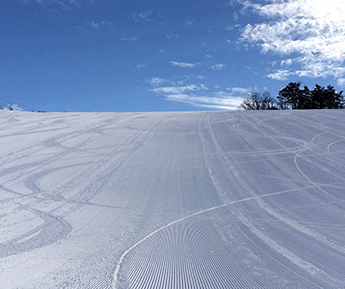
[341, 82]
[172, 36]
[183, 64]
[143, 16]
[287, 62]
[66, 4]
[281, 74]
[98, 25]
[239, 91]
[226, 103]
[53, 1]
[141, 65]
[193, 76]
[218, 66]
[156, 81]
[129, 39]
[235, 16]
[314, 30]
[168, 90]
[198, 94]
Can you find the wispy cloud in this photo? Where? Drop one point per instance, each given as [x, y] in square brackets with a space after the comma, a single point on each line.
[143, 16]
[98, 25]
[141, 65]
[172, 36]
[240, 91]
[183, 64]
[195, 76]
[287, 62]
[312, 30]
[177, 90]
[281, 74]
[341, 81]
[198, 94]
[156, 81]
[218, 103]
[65, 4]
[129, 39]
[218, 66]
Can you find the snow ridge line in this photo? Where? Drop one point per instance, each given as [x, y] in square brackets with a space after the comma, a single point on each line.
[124, 254]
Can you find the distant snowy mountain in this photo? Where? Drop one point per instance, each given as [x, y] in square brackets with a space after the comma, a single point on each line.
[14, 107]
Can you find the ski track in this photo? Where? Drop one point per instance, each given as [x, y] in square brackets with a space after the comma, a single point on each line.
[193, 284]
[155, 232]
[172, 200]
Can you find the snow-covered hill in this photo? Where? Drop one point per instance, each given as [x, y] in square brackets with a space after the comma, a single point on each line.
[172, 200]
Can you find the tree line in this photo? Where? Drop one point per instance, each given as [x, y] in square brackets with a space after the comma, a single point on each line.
[292, 96]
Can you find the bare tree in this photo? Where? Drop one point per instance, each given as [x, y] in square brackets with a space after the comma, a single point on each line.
[258, 101]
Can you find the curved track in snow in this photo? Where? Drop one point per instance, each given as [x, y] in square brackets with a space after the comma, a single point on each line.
[172, 200]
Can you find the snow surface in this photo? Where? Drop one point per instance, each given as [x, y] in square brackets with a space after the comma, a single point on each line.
[172, 200]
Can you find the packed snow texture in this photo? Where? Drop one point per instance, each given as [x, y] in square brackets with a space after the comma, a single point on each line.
[172, 200]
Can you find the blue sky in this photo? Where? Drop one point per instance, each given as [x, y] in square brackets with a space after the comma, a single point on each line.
[116, 55]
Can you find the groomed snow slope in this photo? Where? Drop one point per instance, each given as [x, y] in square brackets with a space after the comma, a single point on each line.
[172, 200]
